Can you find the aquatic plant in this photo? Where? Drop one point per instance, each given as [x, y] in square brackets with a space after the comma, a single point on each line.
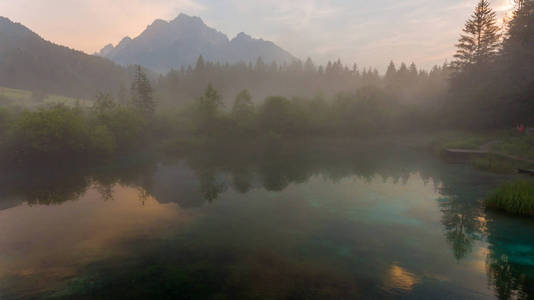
[516, 197]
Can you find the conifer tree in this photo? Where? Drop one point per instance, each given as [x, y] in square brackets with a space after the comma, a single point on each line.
[207, 110]
[142, 98]
[517, 61]
[243, 109]
[480, 40]
[390, 78]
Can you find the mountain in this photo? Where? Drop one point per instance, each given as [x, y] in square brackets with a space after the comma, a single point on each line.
[178, 43]
[29, 62]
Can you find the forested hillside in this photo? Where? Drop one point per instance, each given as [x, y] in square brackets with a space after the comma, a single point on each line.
[29, 62]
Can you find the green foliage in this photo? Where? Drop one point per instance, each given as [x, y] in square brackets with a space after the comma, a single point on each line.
[141, 91]
[368, 112]
[479, 42]
[276, 116]
[243, 111]
[466, 142]
[55, 131]
[520, 146]
[515, 197]
[5, 123]
[494, 164]
[125, 125]
[207, 110]
[28, 99]
[492, 83]
[103, 103]
[102, 142]
[59, 132]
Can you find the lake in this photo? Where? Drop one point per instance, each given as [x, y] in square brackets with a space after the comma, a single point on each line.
[308, 221]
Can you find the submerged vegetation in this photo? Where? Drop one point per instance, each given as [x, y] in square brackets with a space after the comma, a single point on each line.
[515, 197]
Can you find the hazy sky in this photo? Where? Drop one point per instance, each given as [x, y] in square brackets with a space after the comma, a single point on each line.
[369, 32]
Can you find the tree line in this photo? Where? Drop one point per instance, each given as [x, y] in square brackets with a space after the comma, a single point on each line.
[492, 76]
[406, 83]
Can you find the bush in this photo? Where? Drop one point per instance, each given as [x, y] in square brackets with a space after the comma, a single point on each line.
[102, 141]
[127, 127]
[515, 197]
[276, 116]
[55, 131]
[59, 132]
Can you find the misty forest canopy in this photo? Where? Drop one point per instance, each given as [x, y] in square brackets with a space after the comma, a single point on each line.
[488, 85]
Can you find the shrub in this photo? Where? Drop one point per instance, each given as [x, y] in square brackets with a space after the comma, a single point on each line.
[126, 125]
[54, 131]
[102, 141]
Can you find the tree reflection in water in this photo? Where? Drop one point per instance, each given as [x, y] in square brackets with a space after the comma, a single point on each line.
[510, 259]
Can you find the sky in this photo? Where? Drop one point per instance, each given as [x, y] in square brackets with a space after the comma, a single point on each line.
[366, 32]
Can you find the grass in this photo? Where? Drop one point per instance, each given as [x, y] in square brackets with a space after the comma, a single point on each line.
[496, 164]
[521, 146]
[14, 94]
[464, 140]
[516, 197]
[19, 97]
[460, 140]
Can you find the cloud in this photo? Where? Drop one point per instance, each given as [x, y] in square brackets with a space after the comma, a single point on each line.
[367, 32]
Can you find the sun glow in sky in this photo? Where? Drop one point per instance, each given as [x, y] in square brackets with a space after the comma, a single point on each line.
[370, 33]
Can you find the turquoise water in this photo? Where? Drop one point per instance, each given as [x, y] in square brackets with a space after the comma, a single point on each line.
[313, 223]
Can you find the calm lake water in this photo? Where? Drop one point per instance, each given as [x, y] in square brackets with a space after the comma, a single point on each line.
[299, 222]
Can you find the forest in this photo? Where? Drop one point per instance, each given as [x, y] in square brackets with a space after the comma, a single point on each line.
[489, 85]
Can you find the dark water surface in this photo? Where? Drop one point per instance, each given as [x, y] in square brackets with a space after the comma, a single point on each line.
[303, 222]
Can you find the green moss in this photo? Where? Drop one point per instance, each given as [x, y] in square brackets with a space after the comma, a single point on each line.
[516, 197]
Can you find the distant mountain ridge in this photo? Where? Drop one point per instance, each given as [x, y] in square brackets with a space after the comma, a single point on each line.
[29, 62]
[178, 43]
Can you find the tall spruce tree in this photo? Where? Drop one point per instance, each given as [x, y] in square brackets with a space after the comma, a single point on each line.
[480, 41]
[141, 91]
[517, 62]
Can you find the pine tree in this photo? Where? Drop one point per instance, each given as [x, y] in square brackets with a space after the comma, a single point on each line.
[391, 75]
[243, 109]
[520, 35]
[480, 41]
[200, 65]
[207, 110]
[142, 99]
[309, 67]
[517, 73]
